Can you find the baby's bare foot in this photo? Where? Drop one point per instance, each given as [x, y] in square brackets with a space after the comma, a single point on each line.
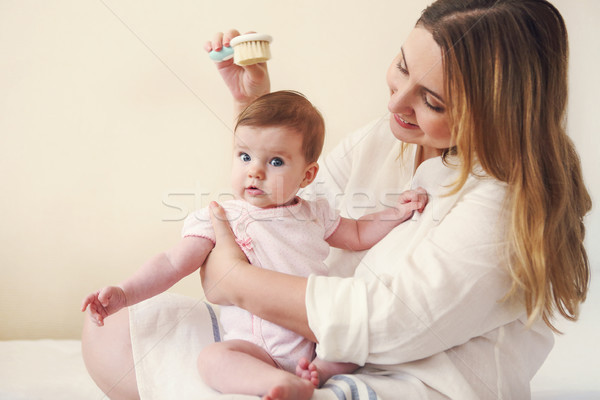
[307, 370]
[291, 388]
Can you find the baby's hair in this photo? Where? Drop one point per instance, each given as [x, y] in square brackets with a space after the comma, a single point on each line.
[292, 110]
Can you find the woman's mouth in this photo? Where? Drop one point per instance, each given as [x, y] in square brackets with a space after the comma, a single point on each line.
[404, 123]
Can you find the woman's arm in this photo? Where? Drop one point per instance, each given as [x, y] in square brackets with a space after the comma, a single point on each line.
[228, 278]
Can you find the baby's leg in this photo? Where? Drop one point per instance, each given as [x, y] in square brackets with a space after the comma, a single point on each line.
[319, 371]
[237, 366]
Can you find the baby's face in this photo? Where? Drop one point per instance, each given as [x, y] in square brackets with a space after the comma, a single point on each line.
[268, 165]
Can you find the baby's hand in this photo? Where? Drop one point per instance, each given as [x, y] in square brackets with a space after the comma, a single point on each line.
[411, 201]
[104, 303]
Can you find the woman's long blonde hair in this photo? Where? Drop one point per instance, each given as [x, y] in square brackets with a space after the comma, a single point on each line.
[505, 64]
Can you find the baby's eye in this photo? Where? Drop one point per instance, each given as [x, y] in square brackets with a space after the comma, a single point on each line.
[276, 162]
[245, 157]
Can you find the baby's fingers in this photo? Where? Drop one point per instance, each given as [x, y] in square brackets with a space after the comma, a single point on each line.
[414, 206]
[97, 313]
[88, 300]
[409, 196]
[417, 204]
[417, 195]
[422, 199]
[104, 297]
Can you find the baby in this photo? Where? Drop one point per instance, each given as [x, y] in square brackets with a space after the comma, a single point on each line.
[278, 139]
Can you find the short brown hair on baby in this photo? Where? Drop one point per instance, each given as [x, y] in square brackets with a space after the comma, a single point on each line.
[290, 109]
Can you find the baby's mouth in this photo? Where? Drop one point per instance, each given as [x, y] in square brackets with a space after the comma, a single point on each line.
[254, 191]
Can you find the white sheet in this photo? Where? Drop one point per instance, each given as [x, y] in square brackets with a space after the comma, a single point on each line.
[54, 369]
[44, 369]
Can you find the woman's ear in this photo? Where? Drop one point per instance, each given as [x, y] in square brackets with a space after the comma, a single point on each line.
[310, 173]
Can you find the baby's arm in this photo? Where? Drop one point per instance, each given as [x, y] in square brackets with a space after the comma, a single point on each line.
[369, 229]
[154, 277]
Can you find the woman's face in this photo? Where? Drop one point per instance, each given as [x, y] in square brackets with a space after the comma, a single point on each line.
[416, 82]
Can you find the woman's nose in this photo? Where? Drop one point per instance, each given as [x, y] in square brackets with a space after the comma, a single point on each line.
[400, 101]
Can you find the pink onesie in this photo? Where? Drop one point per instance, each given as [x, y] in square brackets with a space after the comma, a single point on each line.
[289, 239]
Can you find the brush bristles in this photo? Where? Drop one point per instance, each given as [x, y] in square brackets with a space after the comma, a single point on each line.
[253, 52]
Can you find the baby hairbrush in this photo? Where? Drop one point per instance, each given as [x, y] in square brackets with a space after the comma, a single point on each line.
[251, 48]
[248, 49]
[224, 54]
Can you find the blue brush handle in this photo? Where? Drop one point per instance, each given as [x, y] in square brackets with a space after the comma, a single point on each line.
[225, 54]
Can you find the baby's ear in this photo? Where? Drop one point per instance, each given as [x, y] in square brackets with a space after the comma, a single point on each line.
[310, 173]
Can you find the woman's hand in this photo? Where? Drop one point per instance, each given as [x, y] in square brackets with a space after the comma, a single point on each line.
[224, 261]
[245, 83]
[228, 279]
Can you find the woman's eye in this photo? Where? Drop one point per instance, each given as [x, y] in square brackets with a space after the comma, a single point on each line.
[276, 162]
[245, 157]
[401, 67]
[432, 104]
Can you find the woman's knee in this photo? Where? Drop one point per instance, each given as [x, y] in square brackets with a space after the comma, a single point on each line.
[108, 356]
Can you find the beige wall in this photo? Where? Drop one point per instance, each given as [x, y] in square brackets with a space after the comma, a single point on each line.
[114, 125]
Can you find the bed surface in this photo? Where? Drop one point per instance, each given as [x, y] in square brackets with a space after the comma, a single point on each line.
[44, 369]
[54, 369]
